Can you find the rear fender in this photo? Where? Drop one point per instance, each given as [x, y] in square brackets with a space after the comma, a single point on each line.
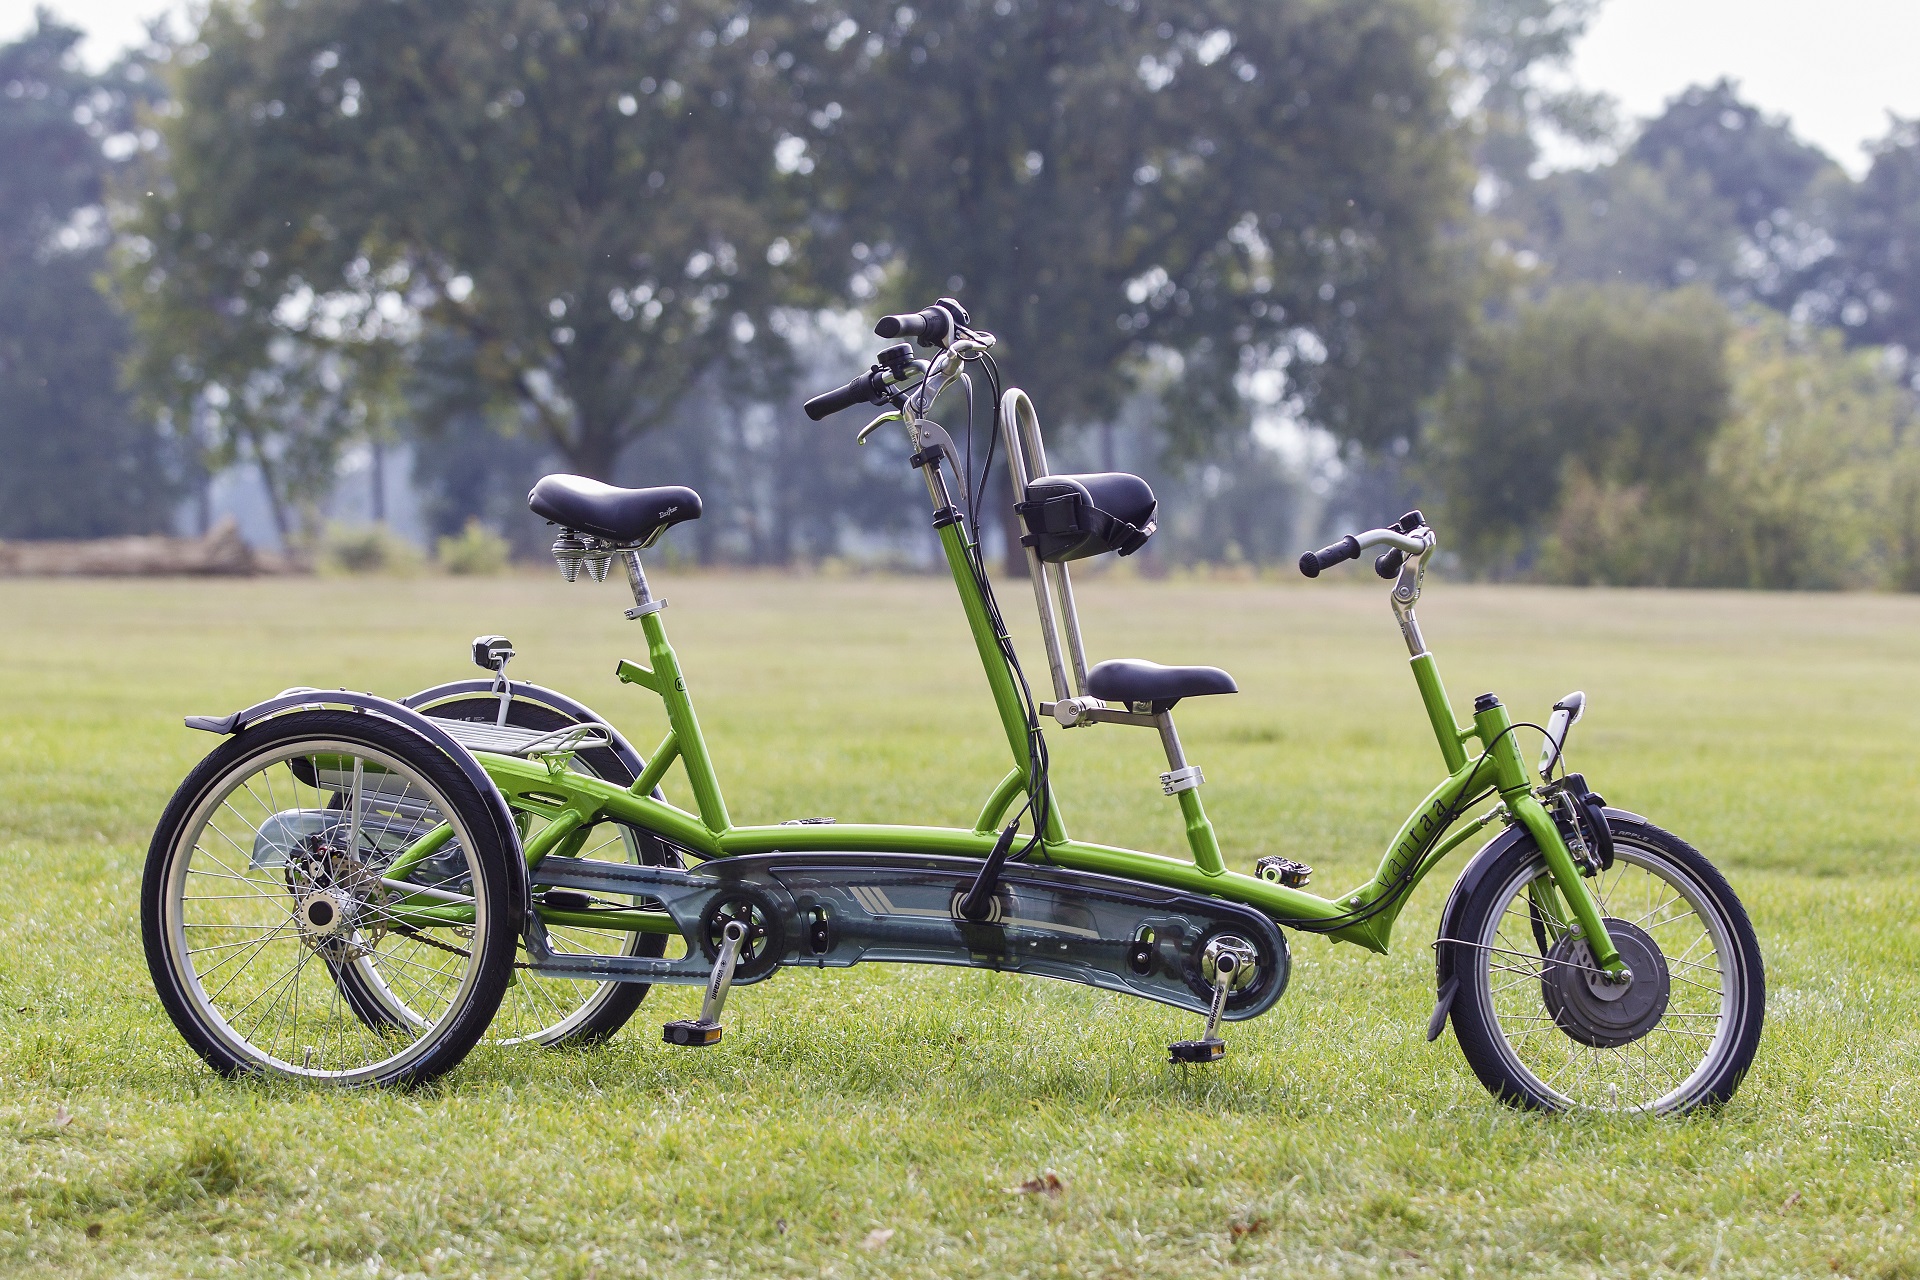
[432, 733]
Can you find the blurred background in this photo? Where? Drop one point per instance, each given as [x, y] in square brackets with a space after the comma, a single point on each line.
[1616, 291]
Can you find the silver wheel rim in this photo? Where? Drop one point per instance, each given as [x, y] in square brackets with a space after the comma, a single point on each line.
[239, 928]
[1669, 1067]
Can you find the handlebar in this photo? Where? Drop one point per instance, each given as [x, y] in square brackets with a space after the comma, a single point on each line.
[1399, 538]
[932, 326]
[868, 388]
[1348, 548]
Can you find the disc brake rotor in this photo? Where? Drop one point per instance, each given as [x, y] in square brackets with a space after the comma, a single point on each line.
[1592, 1008]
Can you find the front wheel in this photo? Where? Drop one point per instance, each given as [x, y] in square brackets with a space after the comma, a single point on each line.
[1543, 1028]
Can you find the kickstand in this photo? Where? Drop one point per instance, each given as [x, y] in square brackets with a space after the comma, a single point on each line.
[1210, 1047]
[977, 905]
[704, 1031]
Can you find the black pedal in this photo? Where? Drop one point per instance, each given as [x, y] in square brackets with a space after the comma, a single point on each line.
[691, 1033]
[1197, 1051]
[1284, 871]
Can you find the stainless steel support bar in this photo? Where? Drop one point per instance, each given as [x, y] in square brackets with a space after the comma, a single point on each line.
[1026, 459]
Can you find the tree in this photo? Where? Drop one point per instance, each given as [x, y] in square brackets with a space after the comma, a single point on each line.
[1754, 164]
[1870, 285]
[1236, 184]
[79, 461]
[1711, 192]
[1814, 480]
[1510, 52]
[1608, 393]
[583, 193]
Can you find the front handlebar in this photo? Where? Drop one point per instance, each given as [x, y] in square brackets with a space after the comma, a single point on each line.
[869, 388]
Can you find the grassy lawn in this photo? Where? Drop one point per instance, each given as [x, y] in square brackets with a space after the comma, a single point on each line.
[1775, 732]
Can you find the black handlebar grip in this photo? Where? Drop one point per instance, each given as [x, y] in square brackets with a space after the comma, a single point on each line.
[865, 389]
[891, 327]
[1348, 548]
[1389, 562]
[930, 326]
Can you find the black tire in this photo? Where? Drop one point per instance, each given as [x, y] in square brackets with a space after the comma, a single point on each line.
[275, 908]
[1697, 1029]
[599, 1015]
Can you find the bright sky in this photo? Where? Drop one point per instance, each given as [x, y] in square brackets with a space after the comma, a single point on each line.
[1835, 68]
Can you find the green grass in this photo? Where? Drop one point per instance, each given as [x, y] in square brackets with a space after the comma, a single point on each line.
[1776, 732]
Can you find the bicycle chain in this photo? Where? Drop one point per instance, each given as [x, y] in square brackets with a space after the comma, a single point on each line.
[417, 936]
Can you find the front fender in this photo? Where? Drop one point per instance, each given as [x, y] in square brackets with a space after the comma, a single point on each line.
[1446, 985]
[437, 737]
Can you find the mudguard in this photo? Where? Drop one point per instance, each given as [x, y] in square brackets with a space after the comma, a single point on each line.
[1446, 985]
[439, 738]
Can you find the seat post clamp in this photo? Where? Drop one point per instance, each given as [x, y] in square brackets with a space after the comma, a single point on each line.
[1186, 779]
[651, 606]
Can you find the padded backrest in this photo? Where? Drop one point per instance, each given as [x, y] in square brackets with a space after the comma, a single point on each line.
[1070, 517]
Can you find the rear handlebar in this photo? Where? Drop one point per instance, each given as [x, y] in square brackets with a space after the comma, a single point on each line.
[1407, 536]
[1348, 548]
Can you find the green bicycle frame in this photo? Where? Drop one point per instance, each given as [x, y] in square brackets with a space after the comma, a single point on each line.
[572, 802]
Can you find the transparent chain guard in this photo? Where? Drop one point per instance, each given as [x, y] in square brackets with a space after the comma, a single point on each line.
[838, 909]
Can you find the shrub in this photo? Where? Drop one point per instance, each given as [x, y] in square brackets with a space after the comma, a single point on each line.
[368, 548]
[477, 552]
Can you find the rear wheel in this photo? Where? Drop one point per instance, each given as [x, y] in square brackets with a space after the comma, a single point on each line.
[1542, 1028]
[548, 1011]
[267, 882]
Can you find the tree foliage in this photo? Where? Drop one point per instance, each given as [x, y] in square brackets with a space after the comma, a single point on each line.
[605, 203]
[1711, 191]
[1239, 182]
[79, 462]
[1870, 284]
[583, 192]
[1593, 387]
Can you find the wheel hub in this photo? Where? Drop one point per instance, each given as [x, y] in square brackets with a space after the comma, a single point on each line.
[1594, 1008]
[326, 914]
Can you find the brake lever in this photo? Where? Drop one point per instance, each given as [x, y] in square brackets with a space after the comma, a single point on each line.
[891, 415]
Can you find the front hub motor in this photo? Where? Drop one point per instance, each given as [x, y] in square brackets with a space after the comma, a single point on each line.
[1593, 1007]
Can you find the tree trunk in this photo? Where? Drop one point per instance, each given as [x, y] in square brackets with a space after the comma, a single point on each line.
[379, 476]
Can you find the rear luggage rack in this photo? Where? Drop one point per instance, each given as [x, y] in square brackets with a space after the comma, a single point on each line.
[510, 740]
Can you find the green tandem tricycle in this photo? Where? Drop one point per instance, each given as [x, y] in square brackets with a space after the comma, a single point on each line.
[354, 890]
